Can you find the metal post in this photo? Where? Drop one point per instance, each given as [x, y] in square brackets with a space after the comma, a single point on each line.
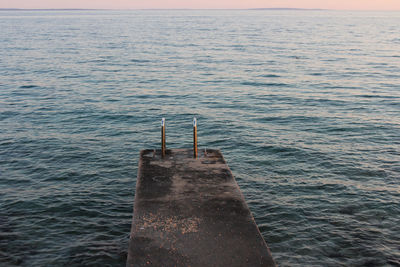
[163, 146]
[194, 138]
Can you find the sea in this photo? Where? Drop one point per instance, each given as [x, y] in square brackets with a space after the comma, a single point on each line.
[304, 105]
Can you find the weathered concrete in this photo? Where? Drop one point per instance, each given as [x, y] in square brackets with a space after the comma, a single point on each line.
[190, 212]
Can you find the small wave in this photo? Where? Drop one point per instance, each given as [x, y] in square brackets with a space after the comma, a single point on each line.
[333, 59]
[379, 96]
[290, 119]
[28, 86]
[154, 96]
[260, 84]
[394, 262]
[342, 87]
[149, 81]
[316, 74]
[98, 60]
[349, 209]
[140, 60]
[73, 76]
[270, 76]
[43, 71]
[8, 114]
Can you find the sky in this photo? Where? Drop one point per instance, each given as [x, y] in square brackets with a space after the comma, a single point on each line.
[206, 4]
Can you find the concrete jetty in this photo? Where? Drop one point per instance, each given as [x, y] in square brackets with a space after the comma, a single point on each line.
[190, 212]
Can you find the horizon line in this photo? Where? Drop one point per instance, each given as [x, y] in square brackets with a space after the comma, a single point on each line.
[259, 8]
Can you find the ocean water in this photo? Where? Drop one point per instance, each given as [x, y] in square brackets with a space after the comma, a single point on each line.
[305, 106]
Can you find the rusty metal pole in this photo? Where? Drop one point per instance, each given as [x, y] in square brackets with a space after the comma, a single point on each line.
[194, 138]
[163, 145]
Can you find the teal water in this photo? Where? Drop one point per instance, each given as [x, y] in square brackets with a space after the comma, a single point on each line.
[305, 106]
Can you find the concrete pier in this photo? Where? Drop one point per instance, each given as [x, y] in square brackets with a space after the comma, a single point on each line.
[190, 212]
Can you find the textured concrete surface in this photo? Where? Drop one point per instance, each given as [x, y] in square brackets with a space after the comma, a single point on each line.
[190, 212]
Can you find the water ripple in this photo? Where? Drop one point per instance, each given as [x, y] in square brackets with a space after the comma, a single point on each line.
[305, 109]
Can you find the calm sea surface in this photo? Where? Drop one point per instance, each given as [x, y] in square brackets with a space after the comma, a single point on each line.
[305, 106]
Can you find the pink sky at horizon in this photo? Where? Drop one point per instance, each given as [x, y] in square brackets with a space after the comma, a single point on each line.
[204, 4]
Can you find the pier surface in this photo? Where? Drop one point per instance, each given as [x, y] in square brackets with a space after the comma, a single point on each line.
[190, 212]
